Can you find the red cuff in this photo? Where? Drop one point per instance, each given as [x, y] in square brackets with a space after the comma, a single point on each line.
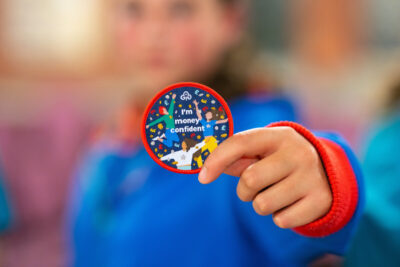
[342, 181]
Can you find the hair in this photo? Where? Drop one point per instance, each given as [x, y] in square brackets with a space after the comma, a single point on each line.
[393, 101]
[239, 70]
[162, 110]
[230, 2]
[216, 114]
[190, 143]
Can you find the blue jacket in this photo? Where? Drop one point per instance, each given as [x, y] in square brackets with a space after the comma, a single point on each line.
[128, 211]
[377, 242]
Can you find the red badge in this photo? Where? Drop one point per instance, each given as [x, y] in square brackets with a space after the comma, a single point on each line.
[183, 124]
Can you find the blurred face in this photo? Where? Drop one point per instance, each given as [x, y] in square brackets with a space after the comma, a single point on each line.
[208, 116]
[184, 146]
[166, 41]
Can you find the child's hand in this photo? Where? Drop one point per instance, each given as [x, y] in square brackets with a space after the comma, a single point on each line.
[174, 96]
[147, 126]
[195, 102]
[279, 170]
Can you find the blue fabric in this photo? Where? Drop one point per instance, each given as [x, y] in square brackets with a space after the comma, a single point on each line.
[170, 138]
[5, 214]
[377, 242]
[128, 211]
[208, 127]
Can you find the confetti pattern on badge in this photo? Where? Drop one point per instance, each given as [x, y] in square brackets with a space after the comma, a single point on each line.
[183, 124]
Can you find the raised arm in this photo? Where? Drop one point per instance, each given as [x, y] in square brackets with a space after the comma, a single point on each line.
[171, 107]
[221, 121]
[162, 118]
[198, 112]
[173, 155]
[197, 147]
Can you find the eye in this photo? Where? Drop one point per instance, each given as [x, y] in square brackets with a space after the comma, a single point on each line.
[181, 9]
[133, 9]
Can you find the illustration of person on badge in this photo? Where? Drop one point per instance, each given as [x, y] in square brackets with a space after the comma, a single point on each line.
[208, 123]
[183, 158]
[169, 137]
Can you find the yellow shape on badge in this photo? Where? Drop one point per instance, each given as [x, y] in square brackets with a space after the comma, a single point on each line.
[224, 135]
[160, 155]
[152, 130]
[204, 101]
[156, 149]
[198, 137]
[160, 126]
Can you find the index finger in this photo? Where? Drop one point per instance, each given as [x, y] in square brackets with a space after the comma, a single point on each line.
[247, 144]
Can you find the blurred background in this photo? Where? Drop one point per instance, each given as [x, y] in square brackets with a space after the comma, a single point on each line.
[61, 77]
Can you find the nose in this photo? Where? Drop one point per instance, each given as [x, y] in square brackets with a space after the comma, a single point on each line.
[156, 28]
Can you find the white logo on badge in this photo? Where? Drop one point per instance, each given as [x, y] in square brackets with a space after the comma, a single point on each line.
[186, 96]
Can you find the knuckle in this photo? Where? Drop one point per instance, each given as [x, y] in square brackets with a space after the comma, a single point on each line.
[241, 194]
[250, 179]
[325, 199]
[293, 185]
[244, 138]
[310, 155]
[321, 204]
[240, 138]
[257, 208]
[306, 156]
[261, 206]
[288, 131]
[281, 221]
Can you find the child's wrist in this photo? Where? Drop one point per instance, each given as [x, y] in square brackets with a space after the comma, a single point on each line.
[342, 182]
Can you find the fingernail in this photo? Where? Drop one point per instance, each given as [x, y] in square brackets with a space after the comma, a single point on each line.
[203, 175]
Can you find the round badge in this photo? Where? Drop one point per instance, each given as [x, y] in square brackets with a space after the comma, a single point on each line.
[183, 124]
